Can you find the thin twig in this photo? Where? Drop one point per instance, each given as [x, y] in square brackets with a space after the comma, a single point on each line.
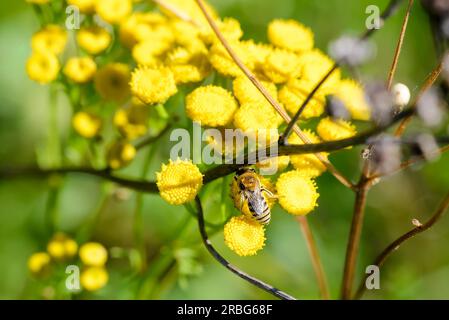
[258, 283]
[143, 142]
[383, 256]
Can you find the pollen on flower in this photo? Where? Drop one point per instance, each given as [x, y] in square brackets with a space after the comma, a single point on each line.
[86, 124]
[112, 81]
[211, 106]
[153, 85]
[244, 236]
[94, 278]
[42, 67]
[282, 65]
[93, 254]
[39, 263]
[329, 129]
[80, 69]
[93, 40]
[179, 181]
[297, 192]
[352, 95]
[113, 11]
[291, 35]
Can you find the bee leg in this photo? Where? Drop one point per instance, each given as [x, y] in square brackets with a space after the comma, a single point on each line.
[242, 201]
[269, 193]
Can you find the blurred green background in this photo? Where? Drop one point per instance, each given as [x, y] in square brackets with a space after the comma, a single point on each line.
[419, 270]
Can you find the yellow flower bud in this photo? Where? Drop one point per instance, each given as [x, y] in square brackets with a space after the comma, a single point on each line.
[80, 70]
[282, 65]
[42, 67]
[329, 129]
[94, 278]
[93, 40]
[86, 125]
[85, 6]
[120, 154]
[352, 95]
[113, 11]
[62, 247]
[39, 263]
[291, 35]
[112, 82]
[93, 254]
[51, 39]
[244, 236]
[132, 121]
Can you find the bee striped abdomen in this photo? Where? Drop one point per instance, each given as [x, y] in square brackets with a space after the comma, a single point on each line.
[264, 215]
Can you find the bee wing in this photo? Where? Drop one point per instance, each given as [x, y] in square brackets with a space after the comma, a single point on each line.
[256, 201]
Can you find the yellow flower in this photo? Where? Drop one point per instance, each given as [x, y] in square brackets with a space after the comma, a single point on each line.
[290, 35]
[352, 95]
[211, 106]
[282, 65]
[85, 6]
[253, 116]
[191, 9]
[179, 182]
[145, 53]
[153, 85]
[39, 263]
[112, 81]
[188, 66]
[51, 39]
[245, 91]
[62, 247]
[113, 11]
[132, 121]
[229, 28]
[244, 236]
[94, 278]
[38, 1]
[308, 164]
[329, 129]
[222, 61]
[297, 192]
[86, 124]
[93, 254]
[141, 26]
[42, 67]
[120, 154]
[278, 163]
[93, 40]
[80, 69]
[315, 65]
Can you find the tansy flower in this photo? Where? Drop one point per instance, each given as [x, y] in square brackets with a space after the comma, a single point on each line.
[39, 263]
[179, 182]
[282, 65]
[308, 164]
[244, 236]
[51, 39]
[120, 154]
[315, 65]
[80, 69]
[191, 9]
[93, 254]
[290, 35]
[132, 121]
[245, 91]
[259, 53]
[86, 124]
[229, 28]
[94, 278]
[140, 26]
[146, 53]
[85, 6]
[112, 81]
[113, 11]
[62, 247]
[352, 95]
[224, 64]
[297, 192]
[42, 67]
[274, 164]
[93, 40]
[188, 66]
[253, 116]
[153, 85]
[329, 129]
[211, 106]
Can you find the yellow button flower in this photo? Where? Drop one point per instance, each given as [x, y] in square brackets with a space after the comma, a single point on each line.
[62, 247]
[39, 263]
[211, 106]
[179, 182]
[291, 35]
[113, 11]
[229, 28]
[140, 26]
[148, 52]
[112, 82]
[93, 40]
[51, 39]
[94, 278]
[224, 64]
[282, 65]
[329, 129]
[93, 254]
[190, 8]
[85, 6]
[188, 66]
[352, 95]
[80, 69]
[315, 65]
[244, 236]
[132, 121]
[245, 91]
[297, 192]
[42, 67]
[255, 116]
[153, 85]
[274, 163]
[120, 154]
[86, 124]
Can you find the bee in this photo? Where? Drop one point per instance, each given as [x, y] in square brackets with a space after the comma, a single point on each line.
[251, 191]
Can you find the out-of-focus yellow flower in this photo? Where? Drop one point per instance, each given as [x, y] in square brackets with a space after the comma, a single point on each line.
[120, 154]
[93, 39]
[51, 39]
[278, 163]
[187, 35]
[222, 61]
[188, 66]
[132, 121]
[229, 28]
[211, 106]
[145, 26]
[282, 65]
[255, 116]
[153, 85]
[290, 35]
[308, 164]
[85, 6]
[191, 9]
[112, 81]
[39, 263]
[244, 236]
[80, 69]
[113, 11]
[146, 53]
[86, 124]
[329, 129]
[245, 91]
[94, 278]
[297, 192]
[93, 254]
[315, 65]
[179, 182]
[352, 95]
[38, 1]
[62, 247]
[42, 67]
